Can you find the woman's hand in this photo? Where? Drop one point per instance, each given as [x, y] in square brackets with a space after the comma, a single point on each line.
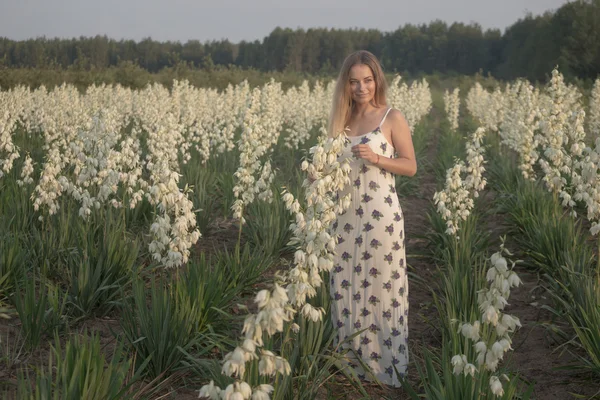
[364, 151]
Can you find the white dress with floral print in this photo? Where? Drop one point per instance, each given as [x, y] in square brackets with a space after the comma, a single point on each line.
[369, 286]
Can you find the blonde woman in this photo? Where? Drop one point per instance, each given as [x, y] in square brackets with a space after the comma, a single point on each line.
[369, 287]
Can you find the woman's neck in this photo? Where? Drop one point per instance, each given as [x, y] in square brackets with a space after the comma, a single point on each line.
[360, 110]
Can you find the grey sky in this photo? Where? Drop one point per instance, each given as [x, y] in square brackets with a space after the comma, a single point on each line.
[243, 20]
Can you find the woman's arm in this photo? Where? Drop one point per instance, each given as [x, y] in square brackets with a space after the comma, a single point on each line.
[406, 163]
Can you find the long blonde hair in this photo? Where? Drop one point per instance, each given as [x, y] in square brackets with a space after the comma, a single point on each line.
[342, 106]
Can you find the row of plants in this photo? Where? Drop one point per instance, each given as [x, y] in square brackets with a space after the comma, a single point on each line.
[62, 271]
[550, 240]
[473, 286]
[545, 170]
[557, 247]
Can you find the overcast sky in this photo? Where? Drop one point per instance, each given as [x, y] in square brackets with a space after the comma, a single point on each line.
[238, 20]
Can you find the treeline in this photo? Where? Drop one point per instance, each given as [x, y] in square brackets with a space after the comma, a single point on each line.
[568, 37]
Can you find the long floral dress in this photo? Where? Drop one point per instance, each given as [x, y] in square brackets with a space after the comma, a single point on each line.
[369, 286]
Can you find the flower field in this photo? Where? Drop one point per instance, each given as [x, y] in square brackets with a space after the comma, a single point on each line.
[175, 242]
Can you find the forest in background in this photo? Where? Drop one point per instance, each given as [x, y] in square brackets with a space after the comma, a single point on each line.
[567, 37]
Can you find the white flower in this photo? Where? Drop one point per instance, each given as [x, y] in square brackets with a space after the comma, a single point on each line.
[513, 279]
[210, 391]
[495, 257]
[261, 392]
[471, 331]
[510, 321]
[501, 265]
[505, 343]
[491, 315]
[480, 347]
[299, 257]
[249, 346]
[262, 298]
[235, 363]
[266, 365]
[283, 366]
[279, 294]
[491, 360]
[244, 389]
[470, 370]
[459, 362]
[311, 312]
[496, 386]
[498, 350]
[501, 328]
[491, 274]
[233, 395]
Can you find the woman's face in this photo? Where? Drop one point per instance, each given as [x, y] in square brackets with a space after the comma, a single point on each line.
[362, 83]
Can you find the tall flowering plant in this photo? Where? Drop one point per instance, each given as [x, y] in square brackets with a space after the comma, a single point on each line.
[587, 189]
[261, 128]
[491, 334]
[561, 135]
[13, 105]
[327, 176]
[414, 101]
[594, 113]
[456, 200]
[452, 107]
[519, 127]
[588, 186]
[59, 120]
[487, 107]
[174, 228]
[302, 109]
[229, 110]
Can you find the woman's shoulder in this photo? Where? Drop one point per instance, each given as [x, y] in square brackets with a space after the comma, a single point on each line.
[395, 115]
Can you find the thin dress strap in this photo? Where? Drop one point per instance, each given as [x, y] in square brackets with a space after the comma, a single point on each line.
[386, 113]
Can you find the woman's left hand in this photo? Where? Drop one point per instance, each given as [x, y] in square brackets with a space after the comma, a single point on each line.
[364, 151]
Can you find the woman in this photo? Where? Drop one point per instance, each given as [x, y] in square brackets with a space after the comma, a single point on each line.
[369, 287]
